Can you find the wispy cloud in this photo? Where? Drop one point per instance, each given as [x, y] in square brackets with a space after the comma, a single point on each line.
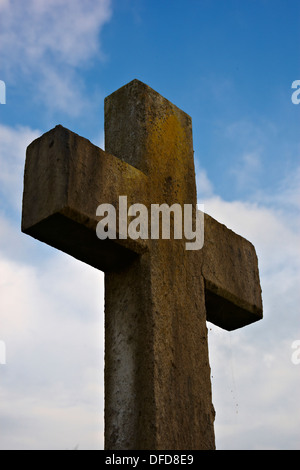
[247, 169]
[45, 41]
[65, 30]
[249, 148]
[205, 187]
[287, 194]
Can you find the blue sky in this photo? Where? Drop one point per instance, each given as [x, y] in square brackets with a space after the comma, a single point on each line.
[230, 65]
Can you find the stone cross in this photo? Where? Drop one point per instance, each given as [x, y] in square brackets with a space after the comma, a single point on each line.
[158, 295]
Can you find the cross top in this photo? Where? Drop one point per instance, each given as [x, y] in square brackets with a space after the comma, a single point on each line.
[158, 295]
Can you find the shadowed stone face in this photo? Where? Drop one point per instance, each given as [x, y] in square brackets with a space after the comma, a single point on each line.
[157, 294]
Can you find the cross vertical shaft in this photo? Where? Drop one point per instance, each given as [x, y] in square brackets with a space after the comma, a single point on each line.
[157, 375]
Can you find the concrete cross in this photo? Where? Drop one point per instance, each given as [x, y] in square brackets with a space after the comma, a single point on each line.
[158, 295]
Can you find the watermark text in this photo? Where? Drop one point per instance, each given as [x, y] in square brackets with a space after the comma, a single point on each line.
[2, 353]
[155, 225]
[2, 92]
[296, 95]
[296, 354]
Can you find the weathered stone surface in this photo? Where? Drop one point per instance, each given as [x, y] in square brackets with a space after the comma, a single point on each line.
[230, 269]
[157, 374]
[158, 394]
[66, 178]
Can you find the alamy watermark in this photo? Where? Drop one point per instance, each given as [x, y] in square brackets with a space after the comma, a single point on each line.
[2, 92]
[147, 225]
[2, 353]
[296, 95]
[295, 358]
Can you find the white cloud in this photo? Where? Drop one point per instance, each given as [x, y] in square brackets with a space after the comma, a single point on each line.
[52, 383]
[254, 389]
[51, 312]
[45, 41]
[67, 30]
[13, 144]
[204, 186]
[51, 319]
[254, 381]
[287, 196]
[269, 229]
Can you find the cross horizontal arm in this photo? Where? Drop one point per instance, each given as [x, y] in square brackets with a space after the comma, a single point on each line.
[158, 294]
[66, 178]
[230, 271]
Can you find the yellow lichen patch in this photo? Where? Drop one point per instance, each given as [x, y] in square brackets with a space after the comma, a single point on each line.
[170, 153]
